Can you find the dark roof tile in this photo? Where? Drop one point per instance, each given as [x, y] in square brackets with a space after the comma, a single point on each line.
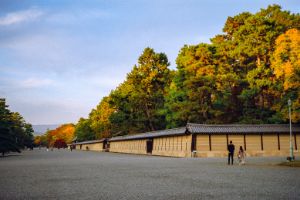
[208, 129]
[91, 141]
[161, 133]
[241, 128]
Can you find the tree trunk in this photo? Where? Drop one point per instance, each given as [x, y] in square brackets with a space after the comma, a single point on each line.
[149, 118]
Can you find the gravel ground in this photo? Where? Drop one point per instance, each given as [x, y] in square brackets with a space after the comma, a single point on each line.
[62, 174]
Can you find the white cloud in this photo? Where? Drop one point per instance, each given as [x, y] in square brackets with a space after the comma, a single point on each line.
[68, 17]
[20, 16]
[36, 83]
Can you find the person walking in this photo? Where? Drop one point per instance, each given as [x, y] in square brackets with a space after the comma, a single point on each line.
[241, 156]
[230, 148]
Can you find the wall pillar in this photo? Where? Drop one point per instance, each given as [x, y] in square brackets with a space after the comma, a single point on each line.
[209, 137]
[278, 136]
[262, 142]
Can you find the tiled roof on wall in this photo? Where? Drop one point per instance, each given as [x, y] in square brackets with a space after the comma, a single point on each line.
[208, 129]
[91, 141]
[242, 128]
[167, 132]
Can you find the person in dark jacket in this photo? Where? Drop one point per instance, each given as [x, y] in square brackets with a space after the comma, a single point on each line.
[230, 148]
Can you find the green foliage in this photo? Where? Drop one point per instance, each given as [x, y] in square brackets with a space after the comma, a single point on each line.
[15, 133]
[99, 119]
[246, 75]
[41, 140]
[83, 130]
[191, 95]
[245, 50]
[139, 100]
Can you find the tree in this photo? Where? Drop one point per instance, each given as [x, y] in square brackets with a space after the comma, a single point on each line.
[232, 66]
[99, 118]
[126, 119]
[37, 141]
[191, 95]
[7, 141]
[63, 133]
[286, 67]
[15, 133]
[245, 75]
[139, 100]
[60, 143]
[244, 52]
[83, 130]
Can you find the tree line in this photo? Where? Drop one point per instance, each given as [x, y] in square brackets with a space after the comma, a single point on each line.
[15, 133]
[57, 138]
[245, 75]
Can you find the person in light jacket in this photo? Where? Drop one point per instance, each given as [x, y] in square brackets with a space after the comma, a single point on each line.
[241, 156]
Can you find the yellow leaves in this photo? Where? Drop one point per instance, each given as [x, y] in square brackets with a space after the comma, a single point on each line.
[288, 72]
[292, 34]
[64, 132]
[173, 86]
[206, 70]
[286, 67]
[286, 58]
[37, 140]
[100, 123]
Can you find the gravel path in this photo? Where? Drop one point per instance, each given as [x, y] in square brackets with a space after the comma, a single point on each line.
[62, 174]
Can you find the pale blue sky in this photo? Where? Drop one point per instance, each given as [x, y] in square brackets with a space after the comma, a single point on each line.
[59, 58]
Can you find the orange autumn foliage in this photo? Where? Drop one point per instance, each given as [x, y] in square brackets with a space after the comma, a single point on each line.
[37, 140]
[64, 132]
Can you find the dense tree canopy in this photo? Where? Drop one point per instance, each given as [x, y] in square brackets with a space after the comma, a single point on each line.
[139, 101]
[245, 75]
[191, 95]
[286, 67]
[99, 119]
[40, 140]
[83, 130]
[61, 136]
[15, 133]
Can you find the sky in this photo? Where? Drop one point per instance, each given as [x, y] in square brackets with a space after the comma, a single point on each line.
[58, 58]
